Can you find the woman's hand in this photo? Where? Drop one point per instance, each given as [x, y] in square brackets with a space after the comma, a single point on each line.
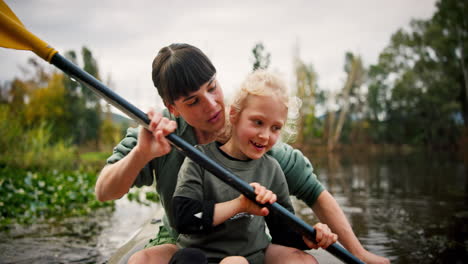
[323, 236]
[152, 142]
[263, 196]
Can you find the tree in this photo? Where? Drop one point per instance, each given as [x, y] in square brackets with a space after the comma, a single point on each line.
[46, 106]
[418, 91]
[110, 132]
[449, 32]
[355, 70]
[306, 87]
[82, 102]
[90, 65]
[52, 98]
[261, 60]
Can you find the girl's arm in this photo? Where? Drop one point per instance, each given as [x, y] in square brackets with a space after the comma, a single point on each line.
[224, 211]
[193, 216]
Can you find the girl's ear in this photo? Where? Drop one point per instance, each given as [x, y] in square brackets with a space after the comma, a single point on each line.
[233, 115]
[172, 109]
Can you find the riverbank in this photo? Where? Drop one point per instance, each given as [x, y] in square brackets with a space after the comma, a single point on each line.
[29, 196]
[356, 152]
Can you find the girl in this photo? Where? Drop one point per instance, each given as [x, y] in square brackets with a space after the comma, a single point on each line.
[210, 215]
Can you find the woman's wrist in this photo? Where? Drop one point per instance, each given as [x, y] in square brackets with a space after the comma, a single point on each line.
[139, 157]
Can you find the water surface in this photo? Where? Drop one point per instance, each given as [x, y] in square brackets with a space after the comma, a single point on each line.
[410, 208]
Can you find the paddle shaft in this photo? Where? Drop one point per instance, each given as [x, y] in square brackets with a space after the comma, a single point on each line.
[194, 154]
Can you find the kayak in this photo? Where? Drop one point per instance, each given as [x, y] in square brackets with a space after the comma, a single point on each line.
[138, 240]
[147, 231]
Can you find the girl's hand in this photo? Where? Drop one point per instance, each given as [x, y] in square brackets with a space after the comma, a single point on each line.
[263, 196]
[152, 142]
[324, 237]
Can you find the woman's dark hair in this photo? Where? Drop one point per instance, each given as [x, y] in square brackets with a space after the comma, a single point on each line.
[180, 69]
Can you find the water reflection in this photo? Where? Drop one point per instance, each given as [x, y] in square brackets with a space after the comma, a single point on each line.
[71, 240]
[125, 220]
[409, 208]
[91, 239]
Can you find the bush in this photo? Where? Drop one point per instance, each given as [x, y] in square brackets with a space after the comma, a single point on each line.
[32, 147]
[27, 196]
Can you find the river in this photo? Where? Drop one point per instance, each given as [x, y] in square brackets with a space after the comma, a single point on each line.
[411, 208]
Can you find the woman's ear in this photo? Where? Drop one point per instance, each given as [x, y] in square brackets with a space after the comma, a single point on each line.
[172, 109]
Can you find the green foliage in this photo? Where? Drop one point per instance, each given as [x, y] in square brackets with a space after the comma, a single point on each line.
[307, 90]
[144, 197]
[110, 133]
[53, 98]
[90, 65]
[93, 161]
[41, 152]
[46, 105]
[261, 60]
[32, 147]
[10, 131]
[27, 196]
[313, 127]
[350, 100]
[418, 90]
[94, 156]
[86, 119]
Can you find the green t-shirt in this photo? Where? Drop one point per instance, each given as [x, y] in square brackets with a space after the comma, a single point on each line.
[302, 182]
[243, 234]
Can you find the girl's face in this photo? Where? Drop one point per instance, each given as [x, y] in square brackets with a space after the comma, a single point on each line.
[203, 109]
[257, 127]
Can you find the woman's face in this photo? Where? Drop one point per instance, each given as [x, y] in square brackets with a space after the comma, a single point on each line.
[203, 109]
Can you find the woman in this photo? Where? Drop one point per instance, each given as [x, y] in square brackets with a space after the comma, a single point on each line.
[186, 80]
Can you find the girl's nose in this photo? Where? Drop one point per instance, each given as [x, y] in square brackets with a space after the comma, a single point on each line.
[263, 134]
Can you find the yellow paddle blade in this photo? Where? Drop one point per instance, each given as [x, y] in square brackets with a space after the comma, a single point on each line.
[13, 35]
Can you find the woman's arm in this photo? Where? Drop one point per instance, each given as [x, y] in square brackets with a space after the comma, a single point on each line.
[303, 184]
[116, 179]
[299, 173]
[328, 211]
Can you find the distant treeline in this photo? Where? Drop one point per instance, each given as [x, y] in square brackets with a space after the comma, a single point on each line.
[416, 95]
[46, 116]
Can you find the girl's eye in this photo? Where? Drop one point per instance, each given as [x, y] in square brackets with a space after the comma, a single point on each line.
[276, 128]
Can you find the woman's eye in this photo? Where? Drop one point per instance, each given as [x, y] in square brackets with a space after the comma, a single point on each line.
[258, 122]
[212, 89]
[192, 102]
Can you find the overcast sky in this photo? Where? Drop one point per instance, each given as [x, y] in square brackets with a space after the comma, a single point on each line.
[125, 35]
